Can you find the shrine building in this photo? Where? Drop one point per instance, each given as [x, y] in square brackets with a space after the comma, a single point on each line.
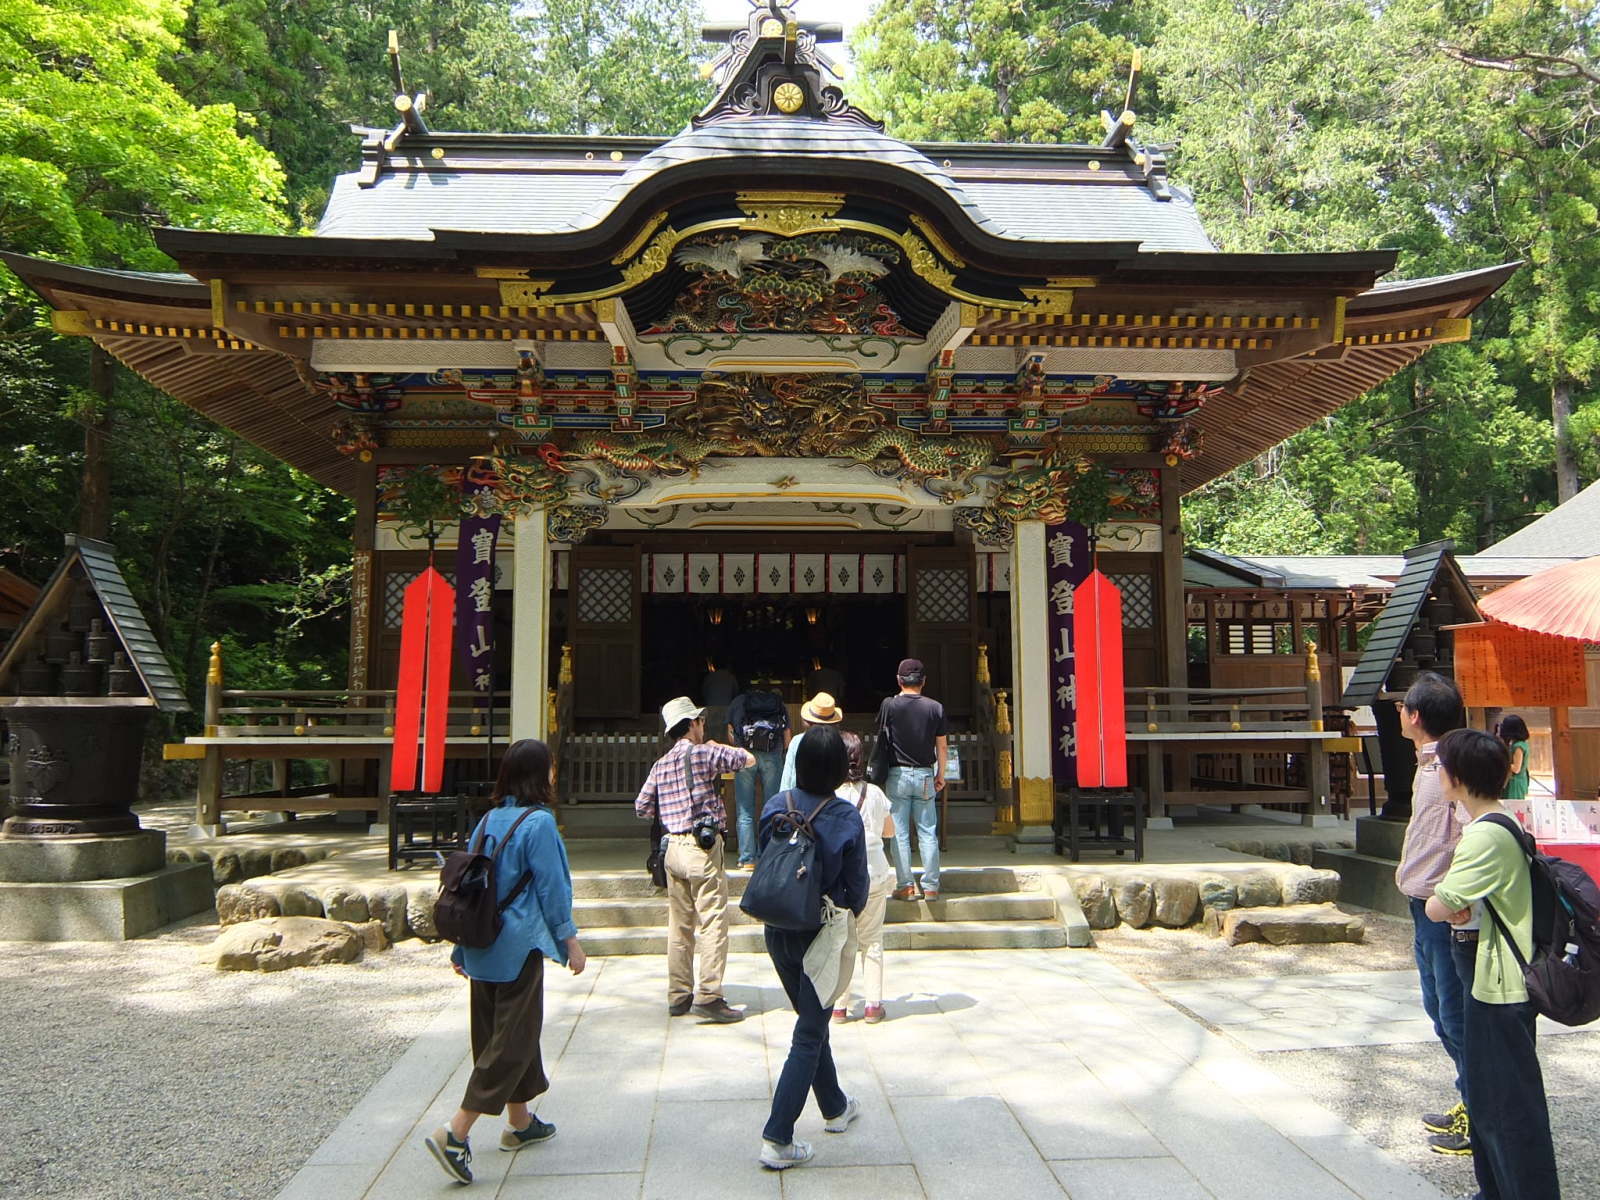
[787, 396]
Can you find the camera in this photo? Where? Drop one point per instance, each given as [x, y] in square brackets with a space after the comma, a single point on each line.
[705, 833]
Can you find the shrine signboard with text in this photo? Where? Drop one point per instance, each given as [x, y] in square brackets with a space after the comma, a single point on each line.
[1067, 564]
[475, 579]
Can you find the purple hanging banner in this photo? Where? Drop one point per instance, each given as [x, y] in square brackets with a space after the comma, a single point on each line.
[475, 575]
[1067, 563]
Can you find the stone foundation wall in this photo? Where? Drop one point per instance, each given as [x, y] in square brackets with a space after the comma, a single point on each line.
[1175, 897]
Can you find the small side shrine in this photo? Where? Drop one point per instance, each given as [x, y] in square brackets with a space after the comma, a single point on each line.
[79, 682]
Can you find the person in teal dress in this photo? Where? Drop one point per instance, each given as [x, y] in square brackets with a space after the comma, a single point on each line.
[1514, 733]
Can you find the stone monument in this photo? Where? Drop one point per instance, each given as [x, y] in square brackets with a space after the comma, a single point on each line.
[79, 681]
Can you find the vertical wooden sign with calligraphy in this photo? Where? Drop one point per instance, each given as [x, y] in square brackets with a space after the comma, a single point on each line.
[360, 621]
[475, 572]
[1067, 564]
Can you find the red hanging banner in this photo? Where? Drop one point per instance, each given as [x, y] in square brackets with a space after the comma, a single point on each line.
[1102, 708]
[426, 622]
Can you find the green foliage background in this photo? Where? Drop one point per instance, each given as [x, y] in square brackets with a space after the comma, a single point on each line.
[1460, 131]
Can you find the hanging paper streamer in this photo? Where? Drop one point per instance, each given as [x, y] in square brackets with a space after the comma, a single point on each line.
[1067, 562]
[1102, 711]
[422, 706]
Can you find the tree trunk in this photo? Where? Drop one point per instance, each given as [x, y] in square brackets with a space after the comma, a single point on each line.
[1566, 457]
[94, 489]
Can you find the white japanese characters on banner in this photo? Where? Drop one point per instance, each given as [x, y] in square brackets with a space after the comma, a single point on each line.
[475, 578]
[1067, 564]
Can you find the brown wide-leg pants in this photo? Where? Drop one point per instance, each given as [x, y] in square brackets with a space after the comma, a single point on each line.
[507, 1019]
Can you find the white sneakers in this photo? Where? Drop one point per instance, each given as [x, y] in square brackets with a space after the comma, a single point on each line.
[780, 1158]
[839, 1124]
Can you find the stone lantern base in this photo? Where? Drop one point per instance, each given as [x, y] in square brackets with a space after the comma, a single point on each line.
[95, 889]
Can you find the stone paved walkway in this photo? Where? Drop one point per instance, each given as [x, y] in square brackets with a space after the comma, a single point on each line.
[1011, 1074]
[1316, 1012]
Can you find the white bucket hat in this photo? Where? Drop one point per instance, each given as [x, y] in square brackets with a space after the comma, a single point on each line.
[680, 709]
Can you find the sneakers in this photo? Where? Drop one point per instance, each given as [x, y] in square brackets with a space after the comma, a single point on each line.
[839, 1124]
[1446, 1121]
[873, 1014]
[909, 892]
[678, 1008]
[453, 1155]
[781, 1158]
[537, 1131]
[1457, 1139]
[718, 1011]
[840, 1016]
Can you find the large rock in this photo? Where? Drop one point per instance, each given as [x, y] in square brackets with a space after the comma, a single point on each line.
[1296, 924]
[255, 862]
[225, 868]
[1218, 895]
[387, 905]
[1176, 902]
[1300, 854]
[278, 943]
[1311, 886]
[420, 899]
[1094, 897]
[1134, 900]
[238, 903]
[373, 938]
[287, 859]
[298, 900]
[1258, 889]
[340, 903]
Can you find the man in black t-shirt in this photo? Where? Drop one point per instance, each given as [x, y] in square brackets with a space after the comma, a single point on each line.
[915, 727]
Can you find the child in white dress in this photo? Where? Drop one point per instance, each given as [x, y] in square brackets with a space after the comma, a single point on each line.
[869, 800]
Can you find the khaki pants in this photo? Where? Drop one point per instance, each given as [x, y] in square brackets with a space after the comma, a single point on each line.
[697, 919]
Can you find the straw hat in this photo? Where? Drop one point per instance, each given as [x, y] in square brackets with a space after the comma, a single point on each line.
[821, 710]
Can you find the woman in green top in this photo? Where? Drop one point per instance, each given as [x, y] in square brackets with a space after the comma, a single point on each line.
[1513, 1155]
[1514, 733]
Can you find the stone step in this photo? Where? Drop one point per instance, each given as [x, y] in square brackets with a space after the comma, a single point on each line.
[1365, 880]
[628, 885]
[1380, 838]
[1289, 925]
[911, 935]
[956, 907]
[617, 822]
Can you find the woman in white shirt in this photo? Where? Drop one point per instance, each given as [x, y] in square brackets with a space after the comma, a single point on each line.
[873, 805]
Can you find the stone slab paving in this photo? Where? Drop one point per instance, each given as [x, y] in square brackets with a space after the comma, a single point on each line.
[999, 1073]
[1315, 1012]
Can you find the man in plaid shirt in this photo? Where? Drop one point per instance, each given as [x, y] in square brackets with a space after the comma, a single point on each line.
[682, 790]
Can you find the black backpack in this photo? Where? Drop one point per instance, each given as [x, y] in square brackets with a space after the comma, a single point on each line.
[1563, 976]
[785, 890]
[466, 912]
[764, 719]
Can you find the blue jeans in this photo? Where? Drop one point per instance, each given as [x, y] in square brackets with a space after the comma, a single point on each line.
[769, 764]
[1442, 996]
[912, 798]
[809, 1067]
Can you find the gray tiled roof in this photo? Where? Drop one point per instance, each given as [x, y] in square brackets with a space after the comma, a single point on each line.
[1571, 530]
[516, 193]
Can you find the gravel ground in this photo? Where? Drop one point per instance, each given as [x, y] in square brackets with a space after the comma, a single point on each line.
[138, 1070]
[1381, 1091]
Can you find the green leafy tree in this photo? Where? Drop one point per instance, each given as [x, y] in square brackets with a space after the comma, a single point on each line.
[994, 70]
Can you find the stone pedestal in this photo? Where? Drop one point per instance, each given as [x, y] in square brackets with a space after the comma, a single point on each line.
[95, 889]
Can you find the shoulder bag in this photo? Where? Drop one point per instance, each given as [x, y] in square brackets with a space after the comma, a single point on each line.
[882, 760]
[785, 890]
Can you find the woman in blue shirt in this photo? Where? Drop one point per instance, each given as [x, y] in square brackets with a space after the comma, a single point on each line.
[841, 865]
[508, 976]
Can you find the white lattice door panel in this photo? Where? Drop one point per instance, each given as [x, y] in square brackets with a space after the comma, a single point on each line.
[603, 620]
[940, 629]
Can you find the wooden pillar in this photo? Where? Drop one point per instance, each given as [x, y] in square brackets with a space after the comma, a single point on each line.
[208, 795]
[530, 627]
[1561, 752]
[1175, 618]
[1030, 641]
[1317, 775]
